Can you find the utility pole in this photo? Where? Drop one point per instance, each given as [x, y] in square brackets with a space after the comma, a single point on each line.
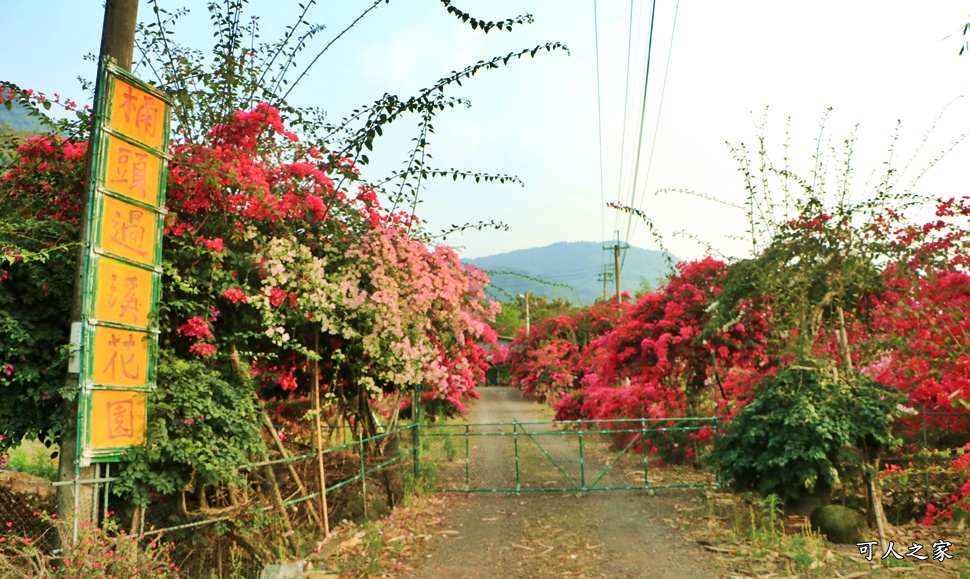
[605, 277]
[528, 319]
[118, 31]
[616, 265]
[118, 44]
[616, 247]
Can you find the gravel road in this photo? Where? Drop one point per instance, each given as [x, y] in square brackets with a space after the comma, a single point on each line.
[613, 534]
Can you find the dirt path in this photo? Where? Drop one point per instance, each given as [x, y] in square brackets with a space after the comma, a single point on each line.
[614, 534]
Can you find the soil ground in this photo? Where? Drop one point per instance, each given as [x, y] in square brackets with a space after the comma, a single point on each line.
[615, 534]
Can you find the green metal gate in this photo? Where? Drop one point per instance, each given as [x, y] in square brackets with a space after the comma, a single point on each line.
[569, 456]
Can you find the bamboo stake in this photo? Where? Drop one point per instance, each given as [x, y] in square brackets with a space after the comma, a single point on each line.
[277, 500]
[870, 456]
[289, 465]
[844, 339]
[318, 435]
[876, 496]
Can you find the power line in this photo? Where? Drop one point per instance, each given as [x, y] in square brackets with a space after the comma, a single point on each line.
[626, 95]
[643, 114]
[599, 119]
[663, 91]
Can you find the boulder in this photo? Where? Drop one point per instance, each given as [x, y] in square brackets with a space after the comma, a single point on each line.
[840, 524]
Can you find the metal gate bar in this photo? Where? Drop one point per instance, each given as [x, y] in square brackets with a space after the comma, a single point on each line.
[491, 457]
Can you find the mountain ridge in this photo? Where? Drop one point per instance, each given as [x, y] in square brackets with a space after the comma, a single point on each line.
[569, 270]
[18, 118]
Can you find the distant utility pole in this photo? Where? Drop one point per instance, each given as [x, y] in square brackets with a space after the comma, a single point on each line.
[118, 44]
[616, 247]
[616, 265]
[528, 319]
[605, 277]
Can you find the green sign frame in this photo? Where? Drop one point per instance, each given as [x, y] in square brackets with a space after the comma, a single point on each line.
[104, 208]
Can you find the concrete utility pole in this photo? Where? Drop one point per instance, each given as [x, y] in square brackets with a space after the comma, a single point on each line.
[616, 265]
[118, 31]
[605, 277]
[117, 43]
[528, 319]
[616, 247]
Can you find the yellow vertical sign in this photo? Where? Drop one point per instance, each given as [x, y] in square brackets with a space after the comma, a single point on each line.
[132, 171]
[124, 293]
[128, 230]
[119, 416]
[137, 114]
[124, 263]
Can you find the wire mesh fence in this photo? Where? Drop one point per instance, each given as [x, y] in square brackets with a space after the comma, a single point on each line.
[243, 529]
[569, 456]
[235, 530]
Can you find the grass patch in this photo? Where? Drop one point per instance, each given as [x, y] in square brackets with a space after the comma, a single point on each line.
[756, 538]
[34, 458]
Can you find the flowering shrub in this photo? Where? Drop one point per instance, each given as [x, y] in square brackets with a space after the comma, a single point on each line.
[841, 300]
[267, 264]
[548, 362]
[656, 362]
[291, 256]
[99, 552]
[956, 505]
[39, 205]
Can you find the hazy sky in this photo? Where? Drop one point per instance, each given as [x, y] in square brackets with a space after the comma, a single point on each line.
[873, 63]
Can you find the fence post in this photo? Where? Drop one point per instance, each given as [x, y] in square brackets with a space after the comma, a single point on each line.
[416, 434]
[107, 483]
[643, 445]
[467, 459]
[363, 470]
[717, 471]
[582, 465]
[925, 425]
[515, 445]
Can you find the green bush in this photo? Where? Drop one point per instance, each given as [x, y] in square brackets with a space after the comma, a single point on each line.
[200, 427]
[799, 430]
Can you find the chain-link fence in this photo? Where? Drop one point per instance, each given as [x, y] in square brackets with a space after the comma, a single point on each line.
[243, 529]
[569, 456]
[236, 530]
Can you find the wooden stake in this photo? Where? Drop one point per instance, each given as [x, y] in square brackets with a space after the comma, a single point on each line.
[318, 436]
[299, 481]
[277, 500]
[844, 339]
[876, 499]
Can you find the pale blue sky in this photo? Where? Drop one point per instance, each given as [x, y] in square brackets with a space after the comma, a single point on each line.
[872, 62]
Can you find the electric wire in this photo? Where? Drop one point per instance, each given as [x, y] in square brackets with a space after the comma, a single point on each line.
[626, 94]
[656, 126]
[634, 120]
[643, 111]
[599, 121]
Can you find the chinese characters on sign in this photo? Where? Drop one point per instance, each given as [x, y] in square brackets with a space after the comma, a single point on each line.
[124, 293]
[128, 231]
[123, 267]
[131, 171]
[137, 113]
[120, 357]
[941, 551]
[119, 411]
